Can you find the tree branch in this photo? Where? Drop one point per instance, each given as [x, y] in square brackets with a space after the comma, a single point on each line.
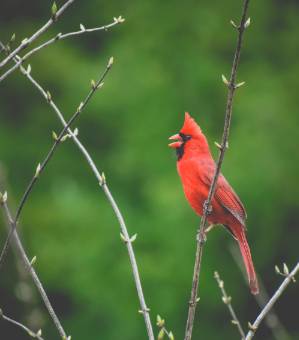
[33, 274]
[102, 181]
[227, 301]
[36, 335]
[201, 237]
[290, 277]
[278, 330]
[41, 166]
[27, 41]
[58, 37]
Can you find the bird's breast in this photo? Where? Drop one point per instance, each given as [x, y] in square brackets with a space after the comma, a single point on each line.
[195, 190]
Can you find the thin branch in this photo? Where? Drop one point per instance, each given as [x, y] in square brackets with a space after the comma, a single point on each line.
[163, 330]
[102, 181]
[41, 166]
[201, 237]
[58, 37]
[27, 41]
[227, 301]
[272, 321]
[33, 274]
[36, 335]
[290, 277]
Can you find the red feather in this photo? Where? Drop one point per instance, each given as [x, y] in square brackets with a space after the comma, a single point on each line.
[196, 168]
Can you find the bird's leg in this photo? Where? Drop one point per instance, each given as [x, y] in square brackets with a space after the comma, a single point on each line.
[210, 227]
[207, 208]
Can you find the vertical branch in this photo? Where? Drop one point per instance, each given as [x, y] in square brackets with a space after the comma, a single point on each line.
[201, 237]
[289, 277]
[227, 300]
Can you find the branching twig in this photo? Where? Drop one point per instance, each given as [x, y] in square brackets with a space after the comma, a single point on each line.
[163, 330]
[227, 300]
[29, 266]
[278, 330]
[289, 277]
[102, 181]
[37, 335]
[27, 41]
[201, 237]
[41, 166]
[59, 36]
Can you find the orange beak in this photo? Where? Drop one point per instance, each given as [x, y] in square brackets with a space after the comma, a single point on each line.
[178, 141]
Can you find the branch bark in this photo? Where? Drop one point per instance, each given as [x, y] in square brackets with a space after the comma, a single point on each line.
[270, 304]
[201, 237]
[27, 41]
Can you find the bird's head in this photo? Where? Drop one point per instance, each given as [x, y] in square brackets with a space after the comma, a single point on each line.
[190, 138]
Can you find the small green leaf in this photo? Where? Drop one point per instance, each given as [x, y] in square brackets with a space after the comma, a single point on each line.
[54, 9]
[161, 334]
[247, 23]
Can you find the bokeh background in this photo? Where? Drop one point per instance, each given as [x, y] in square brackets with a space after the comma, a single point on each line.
[169, 57]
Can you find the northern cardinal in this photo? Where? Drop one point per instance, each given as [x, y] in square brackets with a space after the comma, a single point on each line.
[196, 168]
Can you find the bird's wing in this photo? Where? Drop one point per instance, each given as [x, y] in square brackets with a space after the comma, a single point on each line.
[225, 194]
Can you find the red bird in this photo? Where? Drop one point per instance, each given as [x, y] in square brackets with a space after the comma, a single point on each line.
[196, 168]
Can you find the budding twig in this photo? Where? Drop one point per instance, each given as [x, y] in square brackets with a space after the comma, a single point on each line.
[37, 335]
[163, 331]
[41, 166]
[58, 37]
[27, 41]
[227, 301]
[201, 237]
[272, 321]
[102, 181]
[289, 278]
[33, 274]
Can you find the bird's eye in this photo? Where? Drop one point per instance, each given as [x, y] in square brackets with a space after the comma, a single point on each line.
[184, 137]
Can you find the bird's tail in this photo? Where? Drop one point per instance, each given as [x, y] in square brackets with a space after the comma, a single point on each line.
[239, 233]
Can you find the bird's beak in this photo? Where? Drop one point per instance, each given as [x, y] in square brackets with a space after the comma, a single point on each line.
[178, 141]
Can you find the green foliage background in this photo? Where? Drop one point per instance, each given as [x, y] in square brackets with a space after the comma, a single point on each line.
[169, 57]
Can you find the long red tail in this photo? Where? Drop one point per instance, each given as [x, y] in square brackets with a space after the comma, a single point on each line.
[245, 251]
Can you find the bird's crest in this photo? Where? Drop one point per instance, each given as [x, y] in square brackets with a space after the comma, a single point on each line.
[190, 127]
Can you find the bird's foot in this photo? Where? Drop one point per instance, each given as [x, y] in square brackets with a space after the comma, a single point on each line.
[207, 208]
[201, 237]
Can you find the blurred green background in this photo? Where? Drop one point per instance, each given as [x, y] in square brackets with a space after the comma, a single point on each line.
[169, 57]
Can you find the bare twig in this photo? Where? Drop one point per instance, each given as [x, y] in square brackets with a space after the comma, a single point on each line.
[27, 41]
[41, 166]
[289, 277]
[59, 36]
[272, 321]
[227, 301]
[37, 335]
[33, 274]
[201, 237]
[102, 181]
